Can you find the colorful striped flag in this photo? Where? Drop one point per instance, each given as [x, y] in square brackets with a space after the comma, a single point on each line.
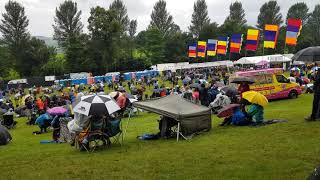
[193, 50]
[222, 47]
[236, 43]
[202, 45]
[212, 47]
[252, 40]
[293, 31]
[271, 33]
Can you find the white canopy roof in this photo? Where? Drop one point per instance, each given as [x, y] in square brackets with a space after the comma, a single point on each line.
[270, 58]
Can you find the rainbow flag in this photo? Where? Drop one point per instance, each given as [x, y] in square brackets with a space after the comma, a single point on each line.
[236, 43]
[293, 31]
[202, 45]
[252, 39]
[192, 50]
[222, 47]
[212, 47]
[271, 33]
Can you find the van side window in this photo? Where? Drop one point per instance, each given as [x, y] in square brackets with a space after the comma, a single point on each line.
[281, 79]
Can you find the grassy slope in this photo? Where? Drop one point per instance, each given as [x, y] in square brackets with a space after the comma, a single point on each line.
[280, 151]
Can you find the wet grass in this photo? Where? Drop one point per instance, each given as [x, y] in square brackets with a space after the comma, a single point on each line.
[279, 151]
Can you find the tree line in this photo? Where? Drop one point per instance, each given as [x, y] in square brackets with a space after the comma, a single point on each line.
[113, 44]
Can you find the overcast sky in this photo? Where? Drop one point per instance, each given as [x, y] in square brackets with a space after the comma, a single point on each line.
[41, 12]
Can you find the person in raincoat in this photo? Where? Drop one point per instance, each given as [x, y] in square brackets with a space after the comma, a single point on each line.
[255, 112]
[44, 121]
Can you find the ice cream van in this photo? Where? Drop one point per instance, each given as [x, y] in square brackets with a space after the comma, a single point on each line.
[272, 83]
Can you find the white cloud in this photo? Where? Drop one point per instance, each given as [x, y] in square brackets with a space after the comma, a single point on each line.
[41, 12]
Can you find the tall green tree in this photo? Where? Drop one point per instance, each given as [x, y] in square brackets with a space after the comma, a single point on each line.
[314, 25]
[199, 17]
[151, 44]
[67, 23]
[237, 14]
[105, 31]
[160, 18]
[121, 14]
[37, 54]
[269, 14]
[209, 31]
[13, 27]
[175, 47]
[299, 10]
[133, 28]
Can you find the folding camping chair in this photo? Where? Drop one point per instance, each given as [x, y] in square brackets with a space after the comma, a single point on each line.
[90, 139]
[114, 131]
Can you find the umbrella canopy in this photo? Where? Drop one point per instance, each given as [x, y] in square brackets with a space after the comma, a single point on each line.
[57, 111]
[96, 105]
[295, 69]
[131, 98]
[310, 54]
[229, 90]
[255, 98]
[239, 80]
[227, 110]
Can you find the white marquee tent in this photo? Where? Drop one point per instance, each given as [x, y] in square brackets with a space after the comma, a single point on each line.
[256, 59]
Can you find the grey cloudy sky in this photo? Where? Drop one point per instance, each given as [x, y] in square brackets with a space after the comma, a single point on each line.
[41, 12]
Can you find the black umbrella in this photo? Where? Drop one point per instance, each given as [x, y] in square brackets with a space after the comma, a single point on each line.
[96, 105]
[310, 54]
[230, 91]
[239, 80]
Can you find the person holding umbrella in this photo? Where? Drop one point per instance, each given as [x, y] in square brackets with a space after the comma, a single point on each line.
[316, 97]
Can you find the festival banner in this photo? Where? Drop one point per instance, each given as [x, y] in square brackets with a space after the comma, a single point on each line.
[212, 47]
[252, 40]
[235, 43]
[202, 48]
[222, 47]
[293, 31]
[192, 50]
[271, 33]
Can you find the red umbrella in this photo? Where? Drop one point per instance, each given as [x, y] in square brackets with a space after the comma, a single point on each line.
[227, 110]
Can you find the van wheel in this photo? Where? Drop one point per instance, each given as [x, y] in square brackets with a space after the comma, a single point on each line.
[293, 95]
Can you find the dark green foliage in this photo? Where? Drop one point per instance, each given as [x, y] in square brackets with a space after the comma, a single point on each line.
[161, 19]
[269, 14]
[67, 26]
[199, 17]
[237, 14]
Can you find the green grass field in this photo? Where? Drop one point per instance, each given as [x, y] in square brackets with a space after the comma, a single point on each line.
[279, 151]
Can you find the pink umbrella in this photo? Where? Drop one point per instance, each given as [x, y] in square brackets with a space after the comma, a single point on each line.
[57, 111]
[227, 110]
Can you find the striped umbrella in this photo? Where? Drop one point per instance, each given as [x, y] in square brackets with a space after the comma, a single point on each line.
[96, 105]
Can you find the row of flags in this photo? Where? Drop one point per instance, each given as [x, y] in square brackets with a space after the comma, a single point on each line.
[220, 45]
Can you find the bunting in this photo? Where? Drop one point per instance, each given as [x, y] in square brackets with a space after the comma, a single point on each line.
[193, 50]
[252, 40]
[202, 48]
[222, 47]
[236, 43]
[271, 33]
[212, 47]
[293, 31]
